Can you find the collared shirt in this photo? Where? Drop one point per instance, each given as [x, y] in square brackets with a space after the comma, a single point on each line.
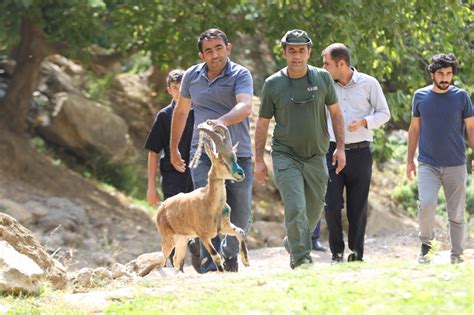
[215, 98]
[361, 98]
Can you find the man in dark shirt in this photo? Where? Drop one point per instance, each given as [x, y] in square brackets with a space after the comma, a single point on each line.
[172, 181]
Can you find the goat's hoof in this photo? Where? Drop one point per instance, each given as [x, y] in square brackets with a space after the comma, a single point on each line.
[220, 268]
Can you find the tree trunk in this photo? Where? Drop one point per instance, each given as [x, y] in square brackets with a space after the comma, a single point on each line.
[32, 50]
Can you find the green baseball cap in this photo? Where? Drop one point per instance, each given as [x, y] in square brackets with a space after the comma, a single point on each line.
[296, 37]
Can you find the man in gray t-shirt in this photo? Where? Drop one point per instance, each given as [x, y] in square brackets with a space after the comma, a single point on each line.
[222, 91]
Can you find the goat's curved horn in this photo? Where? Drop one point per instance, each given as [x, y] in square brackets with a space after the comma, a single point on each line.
[216, 138]
[224, 131]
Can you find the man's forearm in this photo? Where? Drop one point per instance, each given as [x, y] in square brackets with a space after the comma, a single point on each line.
[261, 132]
[470, 136]
[239, 112]
[177, 127]
[338, 127]
[152, 167]
[412, 143]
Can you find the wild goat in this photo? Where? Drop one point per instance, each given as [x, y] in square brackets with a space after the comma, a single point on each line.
[203, 212]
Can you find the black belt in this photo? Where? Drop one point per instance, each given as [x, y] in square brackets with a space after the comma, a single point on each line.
[357, 145]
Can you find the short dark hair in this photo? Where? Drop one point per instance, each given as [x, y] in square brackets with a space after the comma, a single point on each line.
[209, 34]
[443, 61]
[338, 52]
[175, 76]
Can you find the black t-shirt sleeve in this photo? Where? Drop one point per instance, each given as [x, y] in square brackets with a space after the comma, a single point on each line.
[157, 137]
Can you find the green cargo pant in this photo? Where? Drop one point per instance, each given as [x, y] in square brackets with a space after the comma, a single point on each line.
[302, 184]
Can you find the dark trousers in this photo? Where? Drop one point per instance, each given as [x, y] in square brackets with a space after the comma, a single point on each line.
[317, 232]
[174, 182]
[355, 178]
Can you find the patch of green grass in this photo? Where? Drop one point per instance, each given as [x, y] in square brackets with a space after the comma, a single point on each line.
[346, 288]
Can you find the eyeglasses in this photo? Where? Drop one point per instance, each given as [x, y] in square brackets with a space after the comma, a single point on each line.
[313, 96]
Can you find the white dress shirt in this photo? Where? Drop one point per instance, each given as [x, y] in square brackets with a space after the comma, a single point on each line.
[361, 98]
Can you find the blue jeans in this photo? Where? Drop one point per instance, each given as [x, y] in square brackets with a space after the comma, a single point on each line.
[239, 198]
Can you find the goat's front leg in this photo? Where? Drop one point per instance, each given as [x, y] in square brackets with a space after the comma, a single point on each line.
[229, 228]
[216, 258]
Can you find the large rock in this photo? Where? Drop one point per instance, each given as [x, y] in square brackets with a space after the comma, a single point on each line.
[87, 128]
[266, 234]
[23, 241]
[131, 98]
[18, 273]
[145, 263]
[19, 212]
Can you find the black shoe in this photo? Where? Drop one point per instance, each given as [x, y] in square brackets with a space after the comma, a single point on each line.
[231, 264]
[285, 244]
[424, 257]
[354, 257]
[194, 246]
[337, 259]
[318, 247]
[303, 262]
[456, 259]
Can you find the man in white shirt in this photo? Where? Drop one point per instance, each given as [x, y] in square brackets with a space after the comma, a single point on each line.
[364, 107]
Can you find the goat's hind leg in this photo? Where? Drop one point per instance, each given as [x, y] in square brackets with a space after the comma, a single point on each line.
[179, 253]
[229, 228]
[216, 258]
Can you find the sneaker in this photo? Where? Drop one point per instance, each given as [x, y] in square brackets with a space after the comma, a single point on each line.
[285, 244]
[318, 247]
[337, 259]
[303, 262]
[456, 259]
[424, 257]
[231, 264]
[194, 246]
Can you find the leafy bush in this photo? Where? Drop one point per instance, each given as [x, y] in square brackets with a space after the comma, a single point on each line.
[127, 177]
[406, 196]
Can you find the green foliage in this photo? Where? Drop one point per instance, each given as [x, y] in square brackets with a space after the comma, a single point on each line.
[382, 148]
[96, 86]
[396, 50]
[405, 196]
[125, 177]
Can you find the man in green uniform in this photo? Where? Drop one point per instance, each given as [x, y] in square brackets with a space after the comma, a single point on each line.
[298, 96]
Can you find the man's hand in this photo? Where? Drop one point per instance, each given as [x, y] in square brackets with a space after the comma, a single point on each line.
[356, 124]
[339, 157]
[217, 122]
[152, 196]
[177, 161]
[260, 172]
[411, 170]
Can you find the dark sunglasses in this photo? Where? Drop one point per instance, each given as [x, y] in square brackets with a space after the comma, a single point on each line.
[313, 96]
